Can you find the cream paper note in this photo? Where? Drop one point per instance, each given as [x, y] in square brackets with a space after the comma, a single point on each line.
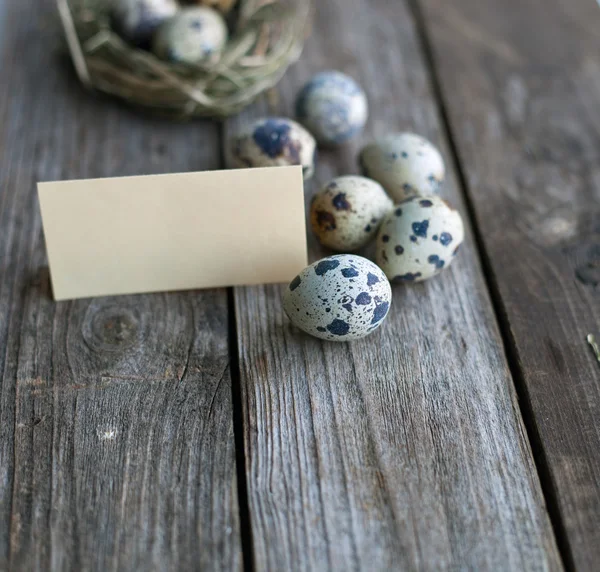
[174, 232]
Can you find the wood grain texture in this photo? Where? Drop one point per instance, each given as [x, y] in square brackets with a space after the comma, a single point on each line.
[116, 434]
[521, 83]
[405, 450]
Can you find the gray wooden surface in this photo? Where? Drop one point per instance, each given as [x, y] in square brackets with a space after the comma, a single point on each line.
[521, 82]
[116, 433]
[406, 449]
[121, 418]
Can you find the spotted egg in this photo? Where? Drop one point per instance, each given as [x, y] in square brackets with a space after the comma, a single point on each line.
[333, 107]
[195, 34]
[346, 213]
[137, 20]
[405, 164]
[272, 142]
[418, 239]
[340, 298]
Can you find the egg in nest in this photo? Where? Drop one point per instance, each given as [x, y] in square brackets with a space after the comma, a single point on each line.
[193, 35]
[137, 20]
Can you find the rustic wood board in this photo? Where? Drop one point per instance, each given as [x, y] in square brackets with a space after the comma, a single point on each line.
[521, 83]
[405, 450]
[116, 426]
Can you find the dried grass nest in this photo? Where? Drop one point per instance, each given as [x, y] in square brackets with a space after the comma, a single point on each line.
[267, 36]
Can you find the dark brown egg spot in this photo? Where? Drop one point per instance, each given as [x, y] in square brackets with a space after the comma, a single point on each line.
[325, 220]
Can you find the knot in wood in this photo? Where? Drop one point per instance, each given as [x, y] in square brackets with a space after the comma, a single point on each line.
[111, 328]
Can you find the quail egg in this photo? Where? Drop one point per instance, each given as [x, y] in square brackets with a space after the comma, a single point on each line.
[346, 213]
[137, 20]
[272, 142]
[405, 164]
[418, 239]
[333, 107]
[194, 34]
[340, 298]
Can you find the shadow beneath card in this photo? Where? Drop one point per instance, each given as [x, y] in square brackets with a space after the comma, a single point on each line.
[39, 284]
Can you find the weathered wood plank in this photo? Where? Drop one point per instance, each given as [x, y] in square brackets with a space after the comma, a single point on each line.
[521, 81]
[405, 450]
[116, 435]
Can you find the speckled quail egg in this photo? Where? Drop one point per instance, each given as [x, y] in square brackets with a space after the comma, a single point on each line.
[191, 36]
[333, 107]
[137, 20]
[272, 142]
[405, 164]
[418, 239]
[346, 213]
[341, 298]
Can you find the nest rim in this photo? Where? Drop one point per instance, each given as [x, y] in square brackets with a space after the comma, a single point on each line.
[268, 39]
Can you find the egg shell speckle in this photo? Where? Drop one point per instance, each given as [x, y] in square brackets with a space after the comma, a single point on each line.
[346, 213]
[193, 35]
[333, 107]
[137, 20]
[273, 142]
[340, 298]
[405, 164]
[419, 239]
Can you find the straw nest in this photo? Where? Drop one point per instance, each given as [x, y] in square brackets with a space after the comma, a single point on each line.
[266, 38]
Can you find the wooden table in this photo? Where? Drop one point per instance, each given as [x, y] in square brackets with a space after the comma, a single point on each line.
[199, 430]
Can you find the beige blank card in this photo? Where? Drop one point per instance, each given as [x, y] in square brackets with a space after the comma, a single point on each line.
[174, 232]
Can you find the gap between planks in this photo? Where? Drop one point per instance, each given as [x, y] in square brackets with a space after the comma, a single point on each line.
[508, 341]
[247, 478]
[238, 433]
